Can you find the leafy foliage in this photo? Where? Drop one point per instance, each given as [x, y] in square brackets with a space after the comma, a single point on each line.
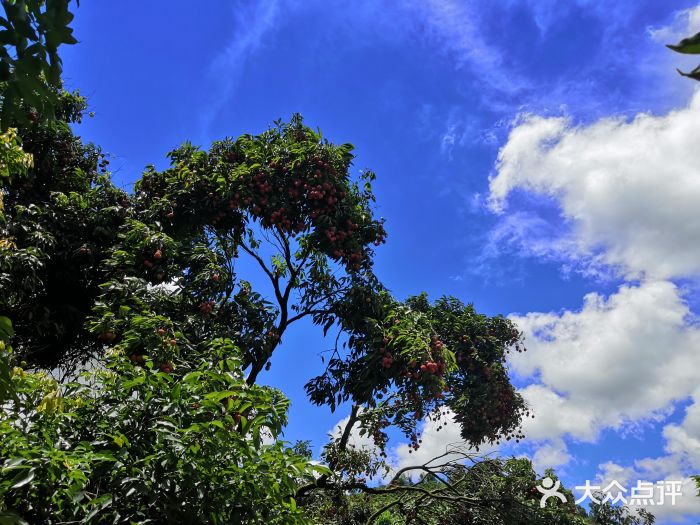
[14, 162]
[414, 360]
[137, 443]
[30, 67]
[488, 491]
[6, 332]
[156, 273]
[62, 217]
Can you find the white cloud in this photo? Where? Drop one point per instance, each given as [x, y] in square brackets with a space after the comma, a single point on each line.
[683, 441]
[556, 415]
[618, 360]
[355, 440]
[627, 193]
[684, 505]
[685, 23]
[629, 189]
[551, 455]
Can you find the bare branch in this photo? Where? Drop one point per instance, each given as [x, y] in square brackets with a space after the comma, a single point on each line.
[258, 259]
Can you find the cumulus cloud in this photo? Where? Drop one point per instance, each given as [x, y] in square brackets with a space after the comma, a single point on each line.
[628, 189]
[626, 194]
[551, 455]
[685, 505]
[683, 441]
[664, 475]
[682, 456]
[618, 360]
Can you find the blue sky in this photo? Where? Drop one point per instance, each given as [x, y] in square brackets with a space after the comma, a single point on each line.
[533, 157]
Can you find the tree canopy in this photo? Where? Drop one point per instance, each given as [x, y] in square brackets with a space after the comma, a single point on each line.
[132, 350]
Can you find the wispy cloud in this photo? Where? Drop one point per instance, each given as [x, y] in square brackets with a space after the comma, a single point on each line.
[621, 68]
[453, 27]
[252, 22]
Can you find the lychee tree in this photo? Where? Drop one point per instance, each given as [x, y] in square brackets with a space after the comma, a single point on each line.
[158, 270]
[156, 273]
[286, 201]
[128, 440]
[169, 416]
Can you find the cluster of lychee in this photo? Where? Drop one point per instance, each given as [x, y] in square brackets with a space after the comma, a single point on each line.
[421, 386]
[170, 343]
[290, 194]
[493, 407]
[496, 417]
[155, 265]
[432, 368]
[387, 358]
[206, 307]
[295, 197]
[224, 213]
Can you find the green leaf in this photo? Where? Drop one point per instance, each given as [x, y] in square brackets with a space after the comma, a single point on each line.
[10, 518]
[690, 45]
[6, 330]
[100, 504]
[13, 463]
[694, 74]
[321, 469]
[128, 385]
[22, 478]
